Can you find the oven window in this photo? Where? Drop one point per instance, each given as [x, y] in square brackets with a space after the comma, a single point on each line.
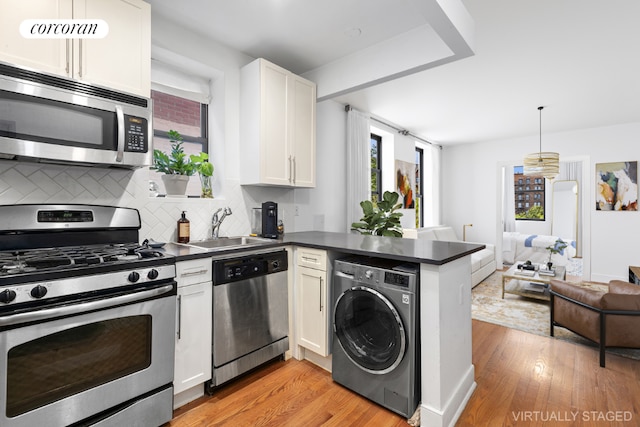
[59, 365]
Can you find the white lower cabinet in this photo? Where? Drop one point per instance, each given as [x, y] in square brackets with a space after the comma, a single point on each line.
[313, 300]
[193, 330]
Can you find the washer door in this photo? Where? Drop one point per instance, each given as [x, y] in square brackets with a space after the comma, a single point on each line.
[369, 329]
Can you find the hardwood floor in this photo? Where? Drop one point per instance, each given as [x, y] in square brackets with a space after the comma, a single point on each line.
[291, 393]
[529, 380]
[522, 379]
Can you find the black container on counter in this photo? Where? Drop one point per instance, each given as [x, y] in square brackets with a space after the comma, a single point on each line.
[270, 220]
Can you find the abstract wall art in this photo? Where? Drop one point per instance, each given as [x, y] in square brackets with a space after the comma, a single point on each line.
[405, 182]
[617, 186]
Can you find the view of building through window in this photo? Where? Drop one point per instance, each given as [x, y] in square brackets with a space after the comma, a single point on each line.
[185, 116]
[529, 195]
[376, 165]
[418, 189]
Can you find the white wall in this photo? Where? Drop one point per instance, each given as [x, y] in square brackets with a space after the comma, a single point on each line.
[324, 208]
[470, 188]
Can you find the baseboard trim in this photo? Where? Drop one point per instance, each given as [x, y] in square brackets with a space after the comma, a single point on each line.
[449, 414]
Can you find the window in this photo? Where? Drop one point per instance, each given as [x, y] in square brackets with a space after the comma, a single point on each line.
[171, 112]
[184, 115]
[528, 211]
[376, 167]
[418, 190]
[181, 95]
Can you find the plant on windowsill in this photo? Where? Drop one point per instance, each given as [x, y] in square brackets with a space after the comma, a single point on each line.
[380, 219]
[205, 171]
[176, 166]
[556, 248]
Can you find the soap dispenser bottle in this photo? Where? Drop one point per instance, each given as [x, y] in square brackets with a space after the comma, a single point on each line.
[183, 229]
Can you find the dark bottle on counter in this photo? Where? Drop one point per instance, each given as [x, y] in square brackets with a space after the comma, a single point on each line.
[183, 229]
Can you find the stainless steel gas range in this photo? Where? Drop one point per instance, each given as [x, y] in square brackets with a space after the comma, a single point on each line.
[87, 317]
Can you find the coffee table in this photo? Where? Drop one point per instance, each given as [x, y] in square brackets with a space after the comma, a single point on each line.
[536, 286]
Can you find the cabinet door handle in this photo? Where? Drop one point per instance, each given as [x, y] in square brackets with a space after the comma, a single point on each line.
[309, 259]
[320, 293]
[294, 169]
[290, 169]
[193, 273]
[80, 58]
[179, 315]
[66, 68]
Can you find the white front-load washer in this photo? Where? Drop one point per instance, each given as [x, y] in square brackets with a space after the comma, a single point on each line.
[376, 346]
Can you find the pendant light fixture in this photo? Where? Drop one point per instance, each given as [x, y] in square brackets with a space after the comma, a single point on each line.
[545, 163]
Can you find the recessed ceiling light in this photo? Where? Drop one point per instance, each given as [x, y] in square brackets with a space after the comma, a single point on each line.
[353, 32]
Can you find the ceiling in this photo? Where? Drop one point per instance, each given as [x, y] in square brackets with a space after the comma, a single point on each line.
[577, 58]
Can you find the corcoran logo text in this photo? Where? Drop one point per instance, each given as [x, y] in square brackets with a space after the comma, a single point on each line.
[64, 28]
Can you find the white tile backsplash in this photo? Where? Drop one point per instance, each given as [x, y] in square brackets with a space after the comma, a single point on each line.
[28, 182]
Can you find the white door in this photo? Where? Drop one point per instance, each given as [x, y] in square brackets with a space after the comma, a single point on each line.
[312, 319]
[193, 336]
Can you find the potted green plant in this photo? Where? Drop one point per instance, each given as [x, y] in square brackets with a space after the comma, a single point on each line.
[556, 248]
[176, 166]
[205, 171]
[380, 219]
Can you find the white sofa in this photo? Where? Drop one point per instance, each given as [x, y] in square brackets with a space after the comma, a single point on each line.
[483, 262]
[518, 247]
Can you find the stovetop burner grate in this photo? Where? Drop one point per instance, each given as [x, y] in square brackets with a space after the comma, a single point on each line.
[24, 261]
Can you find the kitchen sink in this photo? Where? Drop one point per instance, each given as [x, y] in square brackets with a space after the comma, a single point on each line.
[227, 242]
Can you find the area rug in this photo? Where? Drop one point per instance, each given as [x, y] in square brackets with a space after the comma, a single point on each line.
[525, 314]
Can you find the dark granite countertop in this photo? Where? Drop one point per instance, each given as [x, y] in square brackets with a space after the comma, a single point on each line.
[410, 250]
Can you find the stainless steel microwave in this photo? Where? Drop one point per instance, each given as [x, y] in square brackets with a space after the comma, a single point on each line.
[48, 118]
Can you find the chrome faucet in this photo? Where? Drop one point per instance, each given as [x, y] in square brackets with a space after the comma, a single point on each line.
[216, 222]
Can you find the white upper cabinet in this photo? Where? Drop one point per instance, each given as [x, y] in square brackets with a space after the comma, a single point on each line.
[121, 60]
[277, 127]
[49, 55]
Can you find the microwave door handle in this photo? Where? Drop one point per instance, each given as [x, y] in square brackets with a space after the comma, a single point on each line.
[120, 117]
[69, 310]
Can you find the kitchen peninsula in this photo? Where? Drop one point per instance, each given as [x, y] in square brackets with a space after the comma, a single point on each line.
[447, 374]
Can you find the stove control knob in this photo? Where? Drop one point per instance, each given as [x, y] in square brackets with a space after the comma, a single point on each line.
[368, 274]
[39, 291]
[275, 265]
[7, 296]
[134, 276]
[152, 274]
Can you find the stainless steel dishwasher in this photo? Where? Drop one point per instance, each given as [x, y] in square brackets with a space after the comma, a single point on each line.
[250, 313]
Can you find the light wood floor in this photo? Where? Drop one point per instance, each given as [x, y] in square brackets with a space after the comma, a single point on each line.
[522, 379]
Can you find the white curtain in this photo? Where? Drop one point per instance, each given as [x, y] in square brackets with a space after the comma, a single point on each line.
[358, 164]
[508, 204]
[570, 171]
[177, 82]
[431, 186]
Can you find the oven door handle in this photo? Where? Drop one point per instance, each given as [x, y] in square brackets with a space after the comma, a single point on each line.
[70, 310]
